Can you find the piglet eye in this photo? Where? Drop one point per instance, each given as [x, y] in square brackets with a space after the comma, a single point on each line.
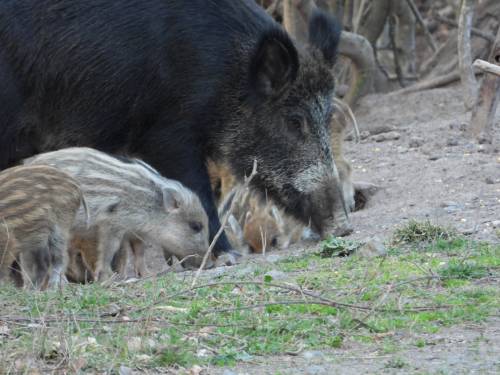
[196, 226]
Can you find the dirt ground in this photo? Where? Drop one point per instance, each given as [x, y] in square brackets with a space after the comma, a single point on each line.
[431, 171]
[414, 147]
[459, 350]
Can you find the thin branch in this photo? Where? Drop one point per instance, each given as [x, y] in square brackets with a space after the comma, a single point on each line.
[346, 108]
[271, 9]
[420, 20]
[236, 198]
[289, 303]
[394, 47]
[468, 78]
[321, 299]
[474, 31]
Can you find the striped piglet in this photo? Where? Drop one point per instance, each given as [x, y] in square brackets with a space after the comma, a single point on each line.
[130, 205]
[38, 205]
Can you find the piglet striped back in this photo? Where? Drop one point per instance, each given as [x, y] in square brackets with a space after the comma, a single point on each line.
[103, 178]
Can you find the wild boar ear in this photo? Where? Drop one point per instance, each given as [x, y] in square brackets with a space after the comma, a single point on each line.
[170, 198]
[324, 34]
[273, 67]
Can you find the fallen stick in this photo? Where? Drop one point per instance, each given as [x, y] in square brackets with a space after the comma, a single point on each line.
[487, 67]
[432, 83]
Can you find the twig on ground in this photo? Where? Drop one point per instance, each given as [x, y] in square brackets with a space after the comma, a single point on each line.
[362, 321]
[322, 303]
[431, 83]
[322, 300]
[224, 221]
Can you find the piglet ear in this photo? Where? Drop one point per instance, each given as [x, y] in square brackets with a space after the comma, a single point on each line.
[273, 66]
[248, 216]
[171, 201]
[277, 217]
[236, 228]
[324, 34]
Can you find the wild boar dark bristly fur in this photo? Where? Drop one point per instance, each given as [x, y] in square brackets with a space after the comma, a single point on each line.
[287, 131]
[173, 83]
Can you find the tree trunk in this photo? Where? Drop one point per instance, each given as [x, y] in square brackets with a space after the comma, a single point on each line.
[483, 114]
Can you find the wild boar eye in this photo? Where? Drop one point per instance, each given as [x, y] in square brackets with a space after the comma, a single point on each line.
[196, 226]
[297, 125]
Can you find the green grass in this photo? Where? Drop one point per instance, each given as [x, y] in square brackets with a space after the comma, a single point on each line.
[161, 323]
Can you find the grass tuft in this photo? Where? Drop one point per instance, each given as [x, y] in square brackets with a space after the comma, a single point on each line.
[415, 232]
[462, 270]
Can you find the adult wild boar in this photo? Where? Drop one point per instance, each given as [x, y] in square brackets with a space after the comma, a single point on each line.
[174, 83]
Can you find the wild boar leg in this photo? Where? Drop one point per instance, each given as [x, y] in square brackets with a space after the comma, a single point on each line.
[7, 259]
[34, 265]
[138, 248]
[12, 102]
[110, 240]
[120, 259]
[58, 250]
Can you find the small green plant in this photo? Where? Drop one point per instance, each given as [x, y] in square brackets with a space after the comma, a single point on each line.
[335, 246]
[462, 270]
[396, 363]
[422, 231]
[175, 357]
[420, 343]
